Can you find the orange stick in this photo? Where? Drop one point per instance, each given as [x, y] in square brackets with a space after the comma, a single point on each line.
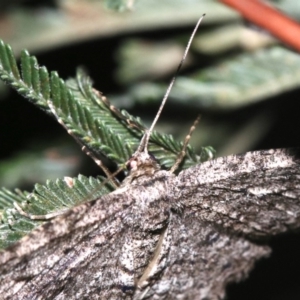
[261, 14]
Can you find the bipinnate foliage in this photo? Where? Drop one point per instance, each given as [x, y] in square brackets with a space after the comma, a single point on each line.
[89, 117]
[53, 196]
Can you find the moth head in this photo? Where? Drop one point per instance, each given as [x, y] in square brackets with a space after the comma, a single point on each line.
[142, 163]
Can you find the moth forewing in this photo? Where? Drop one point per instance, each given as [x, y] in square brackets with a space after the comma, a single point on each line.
[256, 194]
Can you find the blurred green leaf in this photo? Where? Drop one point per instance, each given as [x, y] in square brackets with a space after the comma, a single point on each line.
[234, 82]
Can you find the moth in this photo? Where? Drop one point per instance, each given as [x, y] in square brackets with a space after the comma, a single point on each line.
[161, 236]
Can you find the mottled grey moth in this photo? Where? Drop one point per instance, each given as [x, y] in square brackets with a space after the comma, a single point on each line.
[161, 236]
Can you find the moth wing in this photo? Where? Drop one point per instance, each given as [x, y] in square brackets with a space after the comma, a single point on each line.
[202, 261]
[256, 194]
[71, 257]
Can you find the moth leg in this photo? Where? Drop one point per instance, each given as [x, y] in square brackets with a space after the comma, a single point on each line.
[39, 217]
[156, 265]
[110, 176]
[84, 148]
[182, 153]
[142, 295]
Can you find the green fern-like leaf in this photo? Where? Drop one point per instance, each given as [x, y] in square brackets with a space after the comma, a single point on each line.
[55, 196]
[89, 117]
[129, 130]
[87, 114]
[234, 82]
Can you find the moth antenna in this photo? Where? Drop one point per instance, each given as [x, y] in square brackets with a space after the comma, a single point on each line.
[143, 147]
[184, 147]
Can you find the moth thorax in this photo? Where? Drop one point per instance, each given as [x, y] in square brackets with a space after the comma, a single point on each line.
[142, 163]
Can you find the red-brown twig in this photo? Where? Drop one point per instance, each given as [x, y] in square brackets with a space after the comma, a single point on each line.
[261, 14]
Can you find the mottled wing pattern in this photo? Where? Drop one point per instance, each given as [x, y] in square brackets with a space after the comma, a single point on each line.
[96, 251]
[58, 259]
[225, 205]
[202, 260]
[257, 194]
[161, 237]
